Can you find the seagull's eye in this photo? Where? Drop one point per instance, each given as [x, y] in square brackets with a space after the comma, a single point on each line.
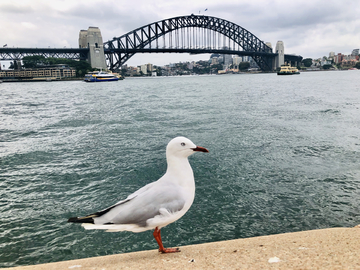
[182, 144]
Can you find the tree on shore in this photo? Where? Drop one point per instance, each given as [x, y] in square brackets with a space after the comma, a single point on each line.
[216, 68]
[327, 66]
[34, 61]
[244, 65]
[307, 62]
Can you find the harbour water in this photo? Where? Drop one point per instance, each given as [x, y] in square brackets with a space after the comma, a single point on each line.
[284, 157]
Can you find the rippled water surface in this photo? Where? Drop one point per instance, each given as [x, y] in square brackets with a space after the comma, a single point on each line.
[284, 157]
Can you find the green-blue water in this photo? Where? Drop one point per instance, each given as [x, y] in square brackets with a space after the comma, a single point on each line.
[284, 157]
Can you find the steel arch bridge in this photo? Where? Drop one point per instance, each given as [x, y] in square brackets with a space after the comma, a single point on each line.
[193, 34]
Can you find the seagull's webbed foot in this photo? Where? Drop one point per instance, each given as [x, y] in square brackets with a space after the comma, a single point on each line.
[169, 250]
[157, 237]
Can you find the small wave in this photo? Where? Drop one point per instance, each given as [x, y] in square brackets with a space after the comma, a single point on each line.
[31, 104]
[7, 135]
[330, 111]
[313, 151]
[74, 123]
[28, 133]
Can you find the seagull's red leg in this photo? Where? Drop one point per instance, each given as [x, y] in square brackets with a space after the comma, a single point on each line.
[157, 237]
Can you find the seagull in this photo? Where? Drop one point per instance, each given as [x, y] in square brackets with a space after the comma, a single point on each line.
[155, 205]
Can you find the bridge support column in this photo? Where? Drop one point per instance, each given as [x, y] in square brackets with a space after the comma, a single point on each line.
[92, 39]
[280, 58]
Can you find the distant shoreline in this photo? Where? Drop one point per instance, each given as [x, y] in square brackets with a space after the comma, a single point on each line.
[45, 79]
[54, 79]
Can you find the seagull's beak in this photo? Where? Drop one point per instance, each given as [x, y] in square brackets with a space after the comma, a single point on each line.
[200, 149]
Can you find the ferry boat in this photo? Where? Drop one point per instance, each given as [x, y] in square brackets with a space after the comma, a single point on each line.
[288, 70]
[100, 76]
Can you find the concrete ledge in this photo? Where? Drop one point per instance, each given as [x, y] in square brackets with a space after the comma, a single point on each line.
[337, 248]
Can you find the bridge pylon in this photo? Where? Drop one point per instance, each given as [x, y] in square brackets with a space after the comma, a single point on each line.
[92, 40]
[280, 58]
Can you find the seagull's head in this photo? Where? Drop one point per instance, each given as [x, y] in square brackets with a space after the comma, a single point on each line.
[182, 147]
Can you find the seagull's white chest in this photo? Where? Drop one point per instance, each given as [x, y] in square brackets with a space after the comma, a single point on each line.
[168, 214]
[179, 180]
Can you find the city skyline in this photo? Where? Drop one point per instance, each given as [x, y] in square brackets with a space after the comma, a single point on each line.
[308, 28]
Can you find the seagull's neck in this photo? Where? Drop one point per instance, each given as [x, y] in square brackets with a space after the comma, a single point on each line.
[180, 171]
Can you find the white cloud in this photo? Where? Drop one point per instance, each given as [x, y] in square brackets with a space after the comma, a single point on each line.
[28, 25]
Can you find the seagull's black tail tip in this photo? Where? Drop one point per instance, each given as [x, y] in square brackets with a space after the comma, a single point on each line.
[81, 220]
[73, 219]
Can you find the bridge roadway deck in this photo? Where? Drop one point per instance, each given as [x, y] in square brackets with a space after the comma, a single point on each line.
[45, 50]
[9, 53]
[188, 50]
[137, 50]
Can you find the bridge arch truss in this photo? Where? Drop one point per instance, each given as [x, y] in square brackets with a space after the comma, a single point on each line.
[193, 34]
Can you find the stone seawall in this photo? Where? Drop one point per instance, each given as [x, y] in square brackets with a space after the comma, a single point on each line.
[336, 248]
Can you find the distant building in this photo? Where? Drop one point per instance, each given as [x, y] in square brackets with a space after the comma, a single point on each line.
[132, 71]
[143, 69]
[53, 72]
[215, 61]
[350, 57]
[325, 61]
[355, 52]
[227, 60]
[149, 67]
[349, 63]
[237, 60]
[338, 58]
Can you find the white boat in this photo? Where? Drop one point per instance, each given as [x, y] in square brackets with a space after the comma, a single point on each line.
[100, 76]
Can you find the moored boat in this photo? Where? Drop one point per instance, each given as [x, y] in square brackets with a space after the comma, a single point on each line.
[100, 76]
[288, 70]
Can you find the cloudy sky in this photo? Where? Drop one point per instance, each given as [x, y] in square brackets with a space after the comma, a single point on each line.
[311, 28]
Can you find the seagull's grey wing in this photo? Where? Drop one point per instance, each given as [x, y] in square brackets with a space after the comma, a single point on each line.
[144, 205]
[91, 218]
